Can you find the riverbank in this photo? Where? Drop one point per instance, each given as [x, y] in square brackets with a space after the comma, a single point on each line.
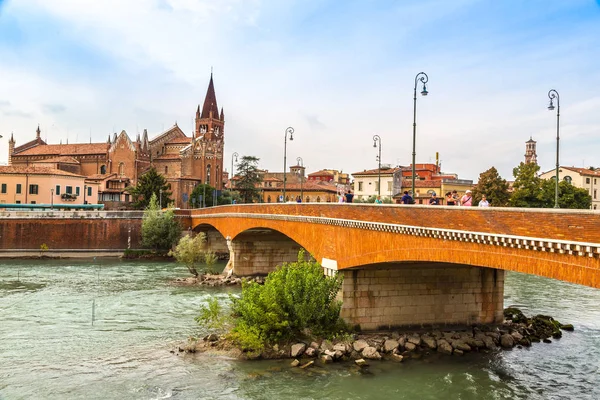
[517, 331]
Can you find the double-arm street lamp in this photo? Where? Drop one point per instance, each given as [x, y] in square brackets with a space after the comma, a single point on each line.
[553, 94]
[289, 131]
[233, 156]
[377, 143]
[300, 162]
[421, 76]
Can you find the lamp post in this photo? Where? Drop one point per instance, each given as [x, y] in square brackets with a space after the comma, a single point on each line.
[300, 162]
[52, 199]
[160, 198]
[421, 76]
[233, 156]
[377, 143]
[289, 131]
[84, 190]
[553, 94]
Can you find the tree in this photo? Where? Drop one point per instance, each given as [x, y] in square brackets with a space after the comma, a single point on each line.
[527, 187]
[228, 196]
[148, 184]
[493, 186]
[160, 229]
[248, 179]
[191, 251]
[569, 196]
[204, 191]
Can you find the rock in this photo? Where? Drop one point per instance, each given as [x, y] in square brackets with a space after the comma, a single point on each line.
[390, 345]
[329, 353]
[547, 341]
[410, 346]
[507, 341]
[308, 364]
[310, 352]
[295, 363]
[402, 341]
[567, 327]
[517, 336]
[429, 342]
[414, 339]
[276, 348]
[338, 355]
[297, 349]
[314, 345]
[458, 352]
[361, 362]
[460, 345]
[489, 342]
[359, 345]
[395, 335]
[557, 335]
[213, 337]
[371, 353]
[525, 342]
[494, 335]
[326, 345]
[397, 357]
[444, 347]
[340, 347]
[326, 358]
[480, 344]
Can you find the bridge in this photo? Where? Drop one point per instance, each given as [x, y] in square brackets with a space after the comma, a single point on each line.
[410, 265]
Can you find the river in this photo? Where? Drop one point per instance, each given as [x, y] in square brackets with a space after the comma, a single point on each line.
[49, 348]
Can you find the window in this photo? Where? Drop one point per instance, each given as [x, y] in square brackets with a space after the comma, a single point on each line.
[377, 186]
[103, 169]
[121, 169]
[77, 191]
[33, 202]
[595, 193]
[18, 202]
[360, 188]
[89, 190]
[57, 190]
[567, 179]
[18, 188]
[69, 189]
[33, 189]
[389, 186]
[4, 188]
[587, 180]
[166, 170]
[208, 174]
[268, 199]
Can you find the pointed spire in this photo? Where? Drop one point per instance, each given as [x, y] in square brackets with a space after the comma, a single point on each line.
[137, 139]
[145, 143]
[210, 101]
[198, 112]
[37, 132]
[12, 139]
[222, 118]
[114, 137]
[108, 141]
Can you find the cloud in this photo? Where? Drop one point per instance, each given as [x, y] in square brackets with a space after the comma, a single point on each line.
[16, 113]
[54, 108]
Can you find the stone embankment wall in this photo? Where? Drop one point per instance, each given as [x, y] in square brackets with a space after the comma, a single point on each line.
[422, 294]
[91, 230]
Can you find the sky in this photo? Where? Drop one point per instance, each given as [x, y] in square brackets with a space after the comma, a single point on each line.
[338, 72]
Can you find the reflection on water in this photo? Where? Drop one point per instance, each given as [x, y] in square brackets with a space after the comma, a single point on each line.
[49, 348]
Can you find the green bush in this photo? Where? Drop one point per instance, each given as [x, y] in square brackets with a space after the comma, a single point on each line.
[295, 299]
[212, 316]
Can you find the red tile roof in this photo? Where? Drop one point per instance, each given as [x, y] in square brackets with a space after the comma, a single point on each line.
[167, 157]
[59, 159]
[376, 171]
[582, 171]
[180, 140]
[66, 149]
[32, 170]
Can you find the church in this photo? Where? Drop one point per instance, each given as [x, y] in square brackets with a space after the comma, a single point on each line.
[118, 163]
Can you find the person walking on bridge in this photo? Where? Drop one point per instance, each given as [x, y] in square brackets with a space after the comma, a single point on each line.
[467, 199]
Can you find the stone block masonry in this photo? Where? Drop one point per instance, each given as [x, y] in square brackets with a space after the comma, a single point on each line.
[413, 295]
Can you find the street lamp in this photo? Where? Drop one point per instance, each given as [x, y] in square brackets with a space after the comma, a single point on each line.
[553, 94]
[421, 76]
[52, 199]
[300, 162]
[377, 143]
[289, 131]
[84, 190]
[160, 198]
[233, 156]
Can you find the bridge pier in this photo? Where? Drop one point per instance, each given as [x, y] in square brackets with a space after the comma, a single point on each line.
[422, 295]
[258, 252]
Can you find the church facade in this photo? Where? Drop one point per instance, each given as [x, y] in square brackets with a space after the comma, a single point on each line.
[185, 161]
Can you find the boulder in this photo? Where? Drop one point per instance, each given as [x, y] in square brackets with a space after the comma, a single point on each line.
[489, 342]
[361, 362]
[401, 341]
[326, 345]
[390, 345]
[429, 342]
[338, 355]
[359, 345]
[410, 346]
[517, 336]
[329, 353]
[460, 345]
[314, 345]
[444, 347]
[458, 352]
[297, 350]
[308, 364]
[213, 337]
[326, 358]
[567, 327]
[295, 363]
[340, 347]
[507, 341]
[310, 352]
[371, 353]
[397, 357]
[414, 339]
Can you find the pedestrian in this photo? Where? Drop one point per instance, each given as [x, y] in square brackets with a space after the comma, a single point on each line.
[406, 199]
[449, 199]
[434, 201]
[378, 200]
[484, 202]
[456, 198]
[349, 197]
[298, 199]
[341, 198]
[467, 199]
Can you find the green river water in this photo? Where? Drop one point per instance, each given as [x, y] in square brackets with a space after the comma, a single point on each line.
[49, 348]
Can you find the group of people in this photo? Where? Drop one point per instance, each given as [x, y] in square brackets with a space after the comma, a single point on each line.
[346, 198]
[452, 199]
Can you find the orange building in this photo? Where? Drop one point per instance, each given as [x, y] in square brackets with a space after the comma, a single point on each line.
[184, 161]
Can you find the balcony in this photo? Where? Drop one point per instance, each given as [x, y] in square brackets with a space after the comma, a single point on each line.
[68, 196]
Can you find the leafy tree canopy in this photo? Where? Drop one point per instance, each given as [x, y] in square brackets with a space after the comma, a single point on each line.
[248, 179]
[160, 229]
[493, 186]
[148, 184]
[527, 187]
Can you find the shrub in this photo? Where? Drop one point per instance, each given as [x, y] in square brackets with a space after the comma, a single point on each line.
[160, 230]
[212, 316]
[191, 251]
[295, 298]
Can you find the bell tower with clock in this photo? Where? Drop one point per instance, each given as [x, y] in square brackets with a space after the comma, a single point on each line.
[209, 140]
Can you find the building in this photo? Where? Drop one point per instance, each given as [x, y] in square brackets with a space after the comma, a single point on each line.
[530, 151]
[579, 177]
[366, 183]
[185, 161]
[20, 184]
[330, 175]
